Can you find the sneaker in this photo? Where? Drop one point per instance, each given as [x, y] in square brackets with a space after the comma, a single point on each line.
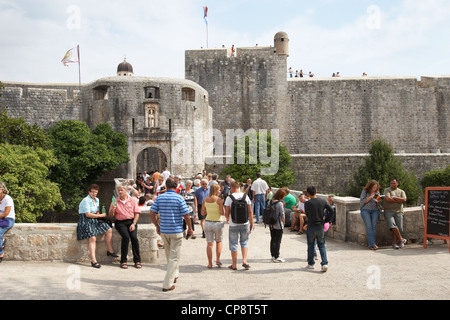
[309, 266]
[324, 268]
[402, 243]
[278, 260]
[395, 246]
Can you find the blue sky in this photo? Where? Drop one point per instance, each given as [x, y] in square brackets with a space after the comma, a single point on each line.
[379, 37]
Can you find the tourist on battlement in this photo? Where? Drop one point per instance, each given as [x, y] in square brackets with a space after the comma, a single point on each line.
[7, 216]
[91, 224]
[370, 212]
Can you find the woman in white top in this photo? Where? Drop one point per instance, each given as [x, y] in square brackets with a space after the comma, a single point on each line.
[7, 216]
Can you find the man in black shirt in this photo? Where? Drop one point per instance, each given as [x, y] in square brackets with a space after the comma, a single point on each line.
[314, 210]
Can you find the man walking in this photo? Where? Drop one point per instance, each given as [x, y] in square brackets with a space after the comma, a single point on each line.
[172, 210]
[393, 211]
[314, 210]
[200, 194]
[260, 190]
[238, 232]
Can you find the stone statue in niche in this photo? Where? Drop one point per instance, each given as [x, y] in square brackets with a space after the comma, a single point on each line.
[151, 118]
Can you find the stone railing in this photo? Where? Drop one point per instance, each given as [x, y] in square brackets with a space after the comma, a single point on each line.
[351, 228]
[58, 242]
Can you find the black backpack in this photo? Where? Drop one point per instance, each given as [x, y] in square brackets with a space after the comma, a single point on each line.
[239, 209]
[269, 215]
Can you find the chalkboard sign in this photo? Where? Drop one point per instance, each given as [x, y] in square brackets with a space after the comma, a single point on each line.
[437, 214]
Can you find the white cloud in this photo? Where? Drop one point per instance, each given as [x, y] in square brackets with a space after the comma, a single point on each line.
[155, 34]
[392, 48]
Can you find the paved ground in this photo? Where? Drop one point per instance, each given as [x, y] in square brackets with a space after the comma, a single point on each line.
[355, 273]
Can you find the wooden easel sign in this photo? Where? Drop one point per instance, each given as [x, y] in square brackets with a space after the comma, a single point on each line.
[437, 214]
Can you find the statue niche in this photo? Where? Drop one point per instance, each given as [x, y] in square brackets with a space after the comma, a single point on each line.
[151, 115]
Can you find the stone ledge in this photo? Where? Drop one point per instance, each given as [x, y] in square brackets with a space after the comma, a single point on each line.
[58, 242]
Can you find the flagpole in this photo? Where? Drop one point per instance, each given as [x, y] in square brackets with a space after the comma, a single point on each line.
[205, 15]
[79, 67]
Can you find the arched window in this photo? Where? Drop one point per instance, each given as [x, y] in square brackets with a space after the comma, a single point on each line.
[188, 94]
[152, 93]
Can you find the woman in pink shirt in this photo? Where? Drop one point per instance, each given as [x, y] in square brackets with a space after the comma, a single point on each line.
[126, 214]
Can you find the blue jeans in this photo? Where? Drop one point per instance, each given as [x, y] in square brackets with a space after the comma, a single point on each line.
[370, 218]
[3, 231]
[238, 233]
[313, 233]
[260, 205]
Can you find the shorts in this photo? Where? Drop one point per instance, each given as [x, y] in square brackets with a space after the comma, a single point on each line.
[199, 213]
[214, 231]
[394, 220]
[238, 233]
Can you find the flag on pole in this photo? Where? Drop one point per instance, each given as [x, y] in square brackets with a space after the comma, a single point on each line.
[205, 13]
[72, 56]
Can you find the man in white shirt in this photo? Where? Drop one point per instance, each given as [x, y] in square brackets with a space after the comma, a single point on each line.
[238, 232]
[260, 190]
[166, 174]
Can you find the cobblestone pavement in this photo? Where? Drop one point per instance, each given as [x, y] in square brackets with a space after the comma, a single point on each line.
[355, 273]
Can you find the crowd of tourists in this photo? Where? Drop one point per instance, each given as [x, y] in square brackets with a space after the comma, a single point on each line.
[177, 206]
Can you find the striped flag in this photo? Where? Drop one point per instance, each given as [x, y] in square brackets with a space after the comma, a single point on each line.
[72, 56]
[205, 13]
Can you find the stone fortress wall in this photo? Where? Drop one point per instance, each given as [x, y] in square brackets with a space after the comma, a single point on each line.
[42, 104]
[326, 123]
[178, 105]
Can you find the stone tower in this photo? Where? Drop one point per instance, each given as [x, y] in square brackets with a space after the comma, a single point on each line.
[281, 42]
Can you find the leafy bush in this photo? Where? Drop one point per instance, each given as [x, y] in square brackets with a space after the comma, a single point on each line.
[84, 156]
[25, 171]
[436, 178]
[252, 164]
[381, 165]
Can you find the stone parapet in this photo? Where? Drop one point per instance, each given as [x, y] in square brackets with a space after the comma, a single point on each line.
[58, 242]
[351, 228]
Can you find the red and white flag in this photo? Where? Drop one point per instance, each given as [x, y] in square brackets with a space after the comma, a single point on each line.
[72, 56]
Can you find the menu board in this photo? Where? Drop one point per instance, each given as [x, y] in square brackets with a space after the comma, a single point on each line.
[437, 213]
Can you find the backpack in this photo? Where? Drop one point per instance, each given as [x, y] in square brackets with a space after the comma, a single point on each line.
[269, 215]
[239, 209]
[225, 192]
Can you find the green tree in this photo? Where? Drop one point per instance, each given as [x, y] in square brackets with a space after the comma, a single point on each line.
[25, 170]
[247, 160]
[84, 155]
[436, 178]
[381, 165]
[18, 132]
